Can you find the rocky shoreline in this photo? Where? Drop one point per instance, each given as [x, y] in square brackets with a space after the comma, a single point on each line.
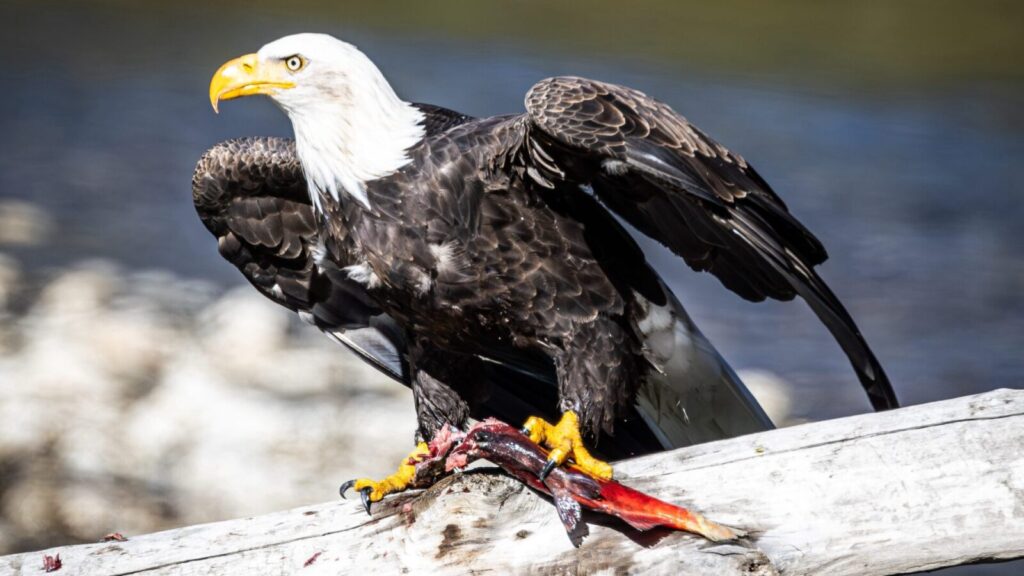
[132, 402]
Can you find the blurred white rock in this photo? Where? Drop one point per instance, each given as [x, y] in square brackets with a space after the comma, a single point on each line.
[10, 278]
[23, 223]
[134, 402]
[9, 275]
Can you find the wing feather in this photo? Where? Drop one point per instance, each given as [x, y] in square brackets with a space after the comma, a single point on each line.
[677, 185]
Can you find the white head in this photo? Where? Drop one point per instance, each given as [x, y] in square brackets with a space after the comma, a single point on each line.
[350, 127]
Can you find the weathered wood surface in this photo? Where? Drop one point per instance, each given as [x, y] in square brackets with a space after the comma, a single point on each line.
[914, 489]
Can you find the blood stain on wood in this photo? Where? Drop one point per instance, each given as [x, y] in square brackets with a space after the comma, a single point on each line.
[51, 563]
[309, 562]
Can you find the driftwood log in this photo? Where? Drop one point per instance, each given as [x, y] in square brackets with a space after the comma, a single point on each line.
[914, 489]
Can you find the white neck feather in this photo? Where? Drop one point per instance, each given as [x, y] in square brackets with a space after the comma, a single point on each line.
[351, 130]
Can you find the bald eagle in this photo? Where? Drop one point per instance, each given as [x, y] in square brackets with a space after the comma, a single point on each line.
[482, 261]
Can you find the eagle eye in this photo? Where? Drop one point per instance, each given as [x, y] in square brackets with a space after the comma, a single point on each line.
[295, 63]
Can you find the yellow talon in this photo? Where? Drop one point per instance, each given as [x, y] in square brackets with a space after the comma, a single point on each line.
[396, 482]
[564, 440]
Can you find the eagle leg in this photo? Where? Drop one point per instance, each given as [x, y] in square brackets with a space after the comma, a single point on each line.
[373, 491]
[564, 440]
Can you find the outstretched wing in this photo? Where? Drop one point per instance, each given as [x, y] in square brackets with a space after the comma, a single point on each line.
[677, 185]
[251, 195]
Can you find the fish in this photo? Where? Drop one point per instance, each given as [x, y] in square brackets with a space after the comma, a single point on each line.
[570, 488]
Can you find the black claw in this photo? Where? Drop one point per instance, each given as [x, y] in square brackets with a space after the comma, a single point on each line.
[364, 494]
[547, 469]
[525, 431]
[346, 487]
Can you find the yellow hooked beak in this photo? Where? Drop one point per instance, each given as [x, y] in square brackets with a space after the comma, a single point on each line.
[245, 76]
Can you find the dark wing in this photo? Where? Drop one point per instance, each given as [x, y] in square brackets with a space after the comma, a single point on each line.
[251, 195]
[677, 185]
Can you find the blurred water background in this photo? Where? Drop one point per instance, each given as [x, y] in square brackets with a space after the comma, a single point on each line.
[141, 386]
